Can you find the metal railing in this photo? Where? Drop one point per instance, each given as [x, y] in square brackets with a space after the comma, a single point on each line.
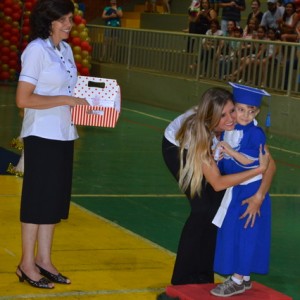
[200, 57]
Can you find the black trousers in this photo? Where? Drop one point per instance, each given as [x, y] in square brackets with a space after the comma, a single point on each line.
[196, 249]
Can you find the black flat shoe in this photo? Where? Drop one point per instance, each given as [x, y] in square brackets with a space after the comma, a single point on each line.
[43, 283]
[59, 278]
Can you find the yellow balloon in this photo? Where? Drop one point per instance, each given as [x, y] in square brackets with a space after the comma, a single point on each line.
[77, 57]
[5, 67]
[85, 62]
[81, 27]
[8, 19]
[74, 33]
[15, 24]
[76, 50]
[13, 47]
[6, 42]
[83, 35]
[84, 53]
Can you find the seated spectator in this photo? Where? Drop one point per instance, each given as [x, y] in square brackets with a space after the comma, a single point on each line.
[271, 55]
[210, 46]
[288, 23]
[223, 48]
[272, 15]
[255, 7]
[248, 62]
[250, 30]
[229, 57]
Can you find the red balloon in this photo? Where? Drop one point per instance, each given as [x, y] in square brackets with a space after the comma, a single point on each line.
[76, 41]
[15, 32]
[4, 75]
[77, 19]
[13, 64]
[7, 27]
[25, 30]
[5, 50]
[6, 35]
[24, 45]
[14, 40]
[26, 21]
[85, 45]
[4, 59]
[16, 16]
[13, 55]
[8, 2]
[8, 11]
[28, 5]
[85, 71]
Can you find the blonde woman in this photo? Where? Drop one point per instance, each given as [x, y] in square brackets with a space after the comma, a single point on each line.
[187, 151]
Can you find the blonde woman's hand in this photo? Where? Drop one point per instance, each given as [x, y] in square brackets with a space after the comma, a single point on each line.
[252, 211]
[264, 159]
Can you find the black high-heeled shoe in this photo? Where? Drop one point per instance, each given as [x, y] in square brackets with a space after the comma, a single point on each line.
[59, 278]
[43, 283]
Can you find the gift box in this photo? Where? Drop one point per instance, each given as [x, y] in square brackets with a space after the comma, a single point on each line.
[104, 97]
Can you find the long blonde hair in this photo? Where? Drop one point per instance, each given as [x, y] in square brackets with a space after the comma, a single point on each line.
[195, 138]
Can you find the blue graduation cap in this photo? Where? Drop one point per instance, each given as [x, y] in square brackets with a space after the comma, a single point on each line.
[247, 95]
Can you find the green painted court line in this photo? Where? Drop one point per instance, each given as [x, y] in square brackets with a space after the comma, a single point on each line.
[284, 150]
[144, 114]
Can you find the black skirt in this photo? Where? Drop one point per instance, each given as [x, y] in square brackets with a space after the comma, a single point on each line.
[47, 182]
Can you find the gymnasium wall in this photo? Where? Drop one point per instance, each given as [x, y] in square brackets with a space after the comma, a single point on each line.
[179, 94]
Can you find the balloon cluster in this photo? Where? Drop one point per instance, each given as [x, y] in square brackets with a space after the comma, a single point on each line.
[14, 35]
[25, 30]
[10, 16]
[80, 42]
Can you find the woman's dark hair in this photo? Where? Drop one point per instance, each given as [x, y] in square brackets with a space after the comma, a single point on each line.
[44, 13]
[284, 17]
[216, 22]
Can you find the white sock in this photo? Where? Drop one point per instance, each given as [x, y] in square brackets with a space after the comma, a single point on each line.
[246, 278]
[236, 280]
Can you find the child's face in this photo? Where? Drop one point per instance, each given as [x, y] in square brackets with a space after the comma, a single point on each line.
[271, 35]
[261, 33]
[245, 114]
[237, 34]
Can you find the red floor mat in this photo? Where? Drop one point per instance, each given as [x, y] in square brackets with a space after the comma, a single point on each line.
[202, 292]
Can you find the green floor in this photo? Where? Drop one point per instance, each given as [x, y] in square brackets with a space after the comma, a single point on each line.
[120, 175]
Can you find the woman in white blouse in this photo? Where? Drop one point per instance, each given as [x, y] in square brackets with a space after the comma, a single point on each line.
[45, 89]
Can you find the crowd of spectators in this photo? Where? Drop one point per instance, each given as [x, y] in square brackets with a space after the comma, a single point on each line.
[279, 22]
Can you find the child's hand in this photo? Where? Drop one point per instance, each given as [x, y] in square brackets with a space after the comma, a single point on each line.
[226, 148]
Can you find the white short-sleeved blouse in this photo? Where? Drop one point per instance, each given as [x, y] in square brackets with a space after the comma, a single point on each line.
[175, 125]
[53, 73]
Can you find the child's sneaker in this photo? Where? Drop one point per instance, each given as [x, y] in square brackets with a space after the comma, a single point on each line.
[247, 284]
[228, 288]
